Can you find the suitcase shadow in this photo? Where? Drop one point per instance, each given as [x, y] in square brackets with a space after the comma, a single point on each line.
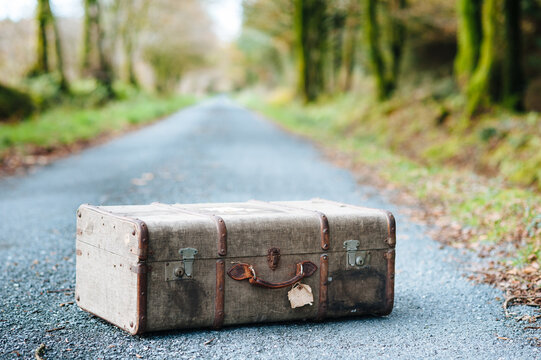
[269, 327]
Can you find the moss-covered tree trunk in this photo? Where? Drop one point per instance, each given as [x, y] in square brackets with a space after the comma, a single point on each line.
[479, 90]
[128, 51]
[94, 61]
[311, 31]
[48, 28]
[469, 36]
[373, 36]
[397, 40]
[349, 51]
[42, 63]
[135, 19]
[497, 76]
[337, 21]
[87, 37]
[59, 59]
[513, 79]
[14, 104]
[299, 49]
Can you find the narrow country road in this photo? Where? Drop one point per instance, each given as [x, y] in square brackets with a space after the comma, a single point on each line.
[216, 152]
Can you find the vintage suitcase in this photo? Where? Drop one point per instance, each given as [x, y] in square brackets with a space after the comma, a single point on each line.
[158, 267]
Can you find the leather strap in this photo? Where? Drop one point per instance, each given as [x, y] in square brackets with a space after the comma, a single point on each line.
[246, 271]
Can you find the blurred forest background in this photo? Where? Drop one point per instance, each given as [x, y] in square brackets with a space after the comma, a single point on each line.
[440, 98]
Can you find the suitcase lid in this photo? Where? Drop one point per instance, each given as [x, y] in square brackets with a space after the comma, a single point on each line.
[250, 229]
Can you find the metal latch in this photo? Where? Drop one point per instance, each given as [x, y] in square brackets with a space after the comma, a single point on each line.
[354, 256]
[188, 255]
[178, 269]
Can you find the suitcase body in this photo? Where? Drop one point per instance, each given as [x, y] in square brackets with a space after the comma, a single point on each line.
[159, 267]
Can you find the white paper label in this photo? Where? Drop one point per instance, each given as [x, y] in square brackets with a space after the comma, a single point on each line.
[300, 295]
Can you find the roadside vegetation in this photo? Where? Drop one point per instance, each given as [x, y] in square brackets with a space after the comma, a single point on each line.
[66, 83]
[438, 101]
[68, 127]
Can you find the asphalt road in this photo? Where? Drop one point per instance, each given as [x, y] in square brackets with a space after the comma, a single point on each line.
[217, 152]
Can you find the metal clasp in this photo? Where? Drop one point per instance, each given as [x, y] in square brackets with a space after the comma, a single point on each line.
[188, 257]
[354, 256]
[176, 270]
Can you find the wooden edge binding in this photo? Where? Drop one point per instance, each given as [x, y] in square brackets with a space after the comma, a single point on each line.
[222, 235]
[325, 235]
[390, 256]
[142, 279]
[389, 284]
[323, 282]
[220, 294]
[391, 228]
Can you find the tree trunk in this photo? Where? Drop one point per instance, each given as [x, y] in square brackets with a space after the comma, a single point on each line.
[311, 34]
[336, 45]
[46, 28]
[348, 63]
[372, 33]
[299, 48]
[398, 38]
[59, 59]
[134, 21]
[87, 36]
[470, 34]
[93, 50]
[128, 51]
[479, 89]
[513, 80]
[42, 63]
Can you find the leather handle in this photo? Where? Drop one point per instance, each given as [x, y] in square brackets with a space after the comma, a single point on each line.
[247, 271]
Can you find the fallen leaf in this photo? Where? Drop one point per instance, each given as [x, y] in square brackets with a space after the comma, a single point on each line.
[209, 341]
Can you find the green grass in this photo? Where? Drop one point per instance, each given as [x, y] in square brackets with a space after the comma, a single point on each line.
[374, 135]
[68, 124]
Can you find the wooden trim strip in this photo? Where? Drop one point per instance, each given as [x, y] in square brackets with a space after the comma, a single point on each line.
[389, 284]
[220, 294]
[325, 235]
[142, 280]
[391, 227]
[220, 225]
[323, 282]
[390, 256]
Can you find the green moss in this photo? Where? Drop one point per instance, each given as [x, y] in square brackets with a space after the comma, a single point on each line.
[14, 104]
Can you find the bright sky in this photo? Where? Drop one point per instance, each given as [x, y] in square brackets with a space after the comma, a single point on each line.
[227, 14]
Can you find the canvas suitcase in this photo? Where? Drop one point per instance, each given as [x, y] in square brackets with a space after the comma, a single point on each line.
[158, 267]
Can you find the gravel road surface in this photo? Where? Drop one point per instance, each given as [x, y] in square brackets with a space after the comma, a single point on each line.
[216, 152]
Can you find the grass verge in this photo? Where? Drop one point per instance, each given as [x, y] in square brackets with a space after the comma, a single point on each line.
[501, 222]
[67, 128]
